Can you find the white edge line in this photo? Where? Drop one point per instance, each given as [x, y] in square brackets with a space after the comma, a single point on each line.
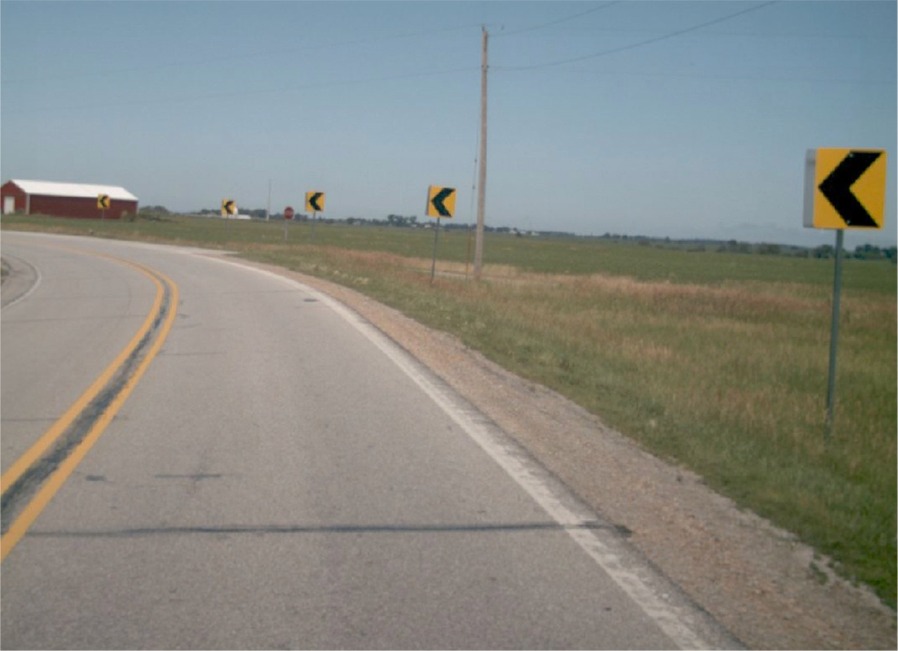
[674, 621]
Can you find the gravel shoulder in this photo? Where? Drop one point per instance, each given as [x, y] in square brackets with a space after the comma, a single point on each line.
[767, 588]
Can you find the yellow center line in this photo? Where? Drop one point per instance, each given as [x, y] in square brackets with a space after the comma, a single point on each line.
[49, 437]
[58, 477]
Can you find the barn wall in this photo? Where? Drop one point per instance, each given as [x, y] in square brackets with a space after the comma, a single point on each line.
[80, 207]
[10, 189]
[122, 208]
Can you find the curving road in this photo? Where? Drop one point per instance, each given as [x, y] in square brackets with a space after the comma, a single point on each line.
[280, 476]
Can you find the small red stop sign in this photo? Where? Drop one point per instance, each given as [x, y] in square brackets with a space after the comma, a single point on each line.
[288, 212]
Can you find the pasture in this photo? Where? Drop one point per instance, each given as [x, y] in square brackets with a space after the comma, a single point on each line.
[716, 361]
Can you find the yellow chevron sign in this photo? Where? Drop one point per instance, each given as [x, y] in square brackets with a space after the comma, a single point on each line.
[845, 188]
[228, 207]
[314, 201]
[103, 201]
[440, 201]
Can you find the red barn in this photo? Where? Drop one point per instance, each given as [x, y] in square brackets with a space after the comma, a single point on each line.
[66, 199]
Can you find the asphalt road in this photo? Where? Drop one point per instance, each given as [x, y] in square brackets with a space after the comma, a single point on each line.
[283, 476]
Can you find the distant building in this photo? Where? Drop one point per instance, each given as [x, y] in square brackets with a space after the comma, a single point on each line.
[65, 199]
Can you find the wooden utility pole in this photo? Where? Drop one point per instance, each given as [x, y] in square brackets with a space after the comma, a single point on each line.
[481, 182]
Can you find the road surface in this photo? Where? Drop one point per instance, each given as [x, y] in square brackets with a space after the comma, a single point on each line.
[275, 473]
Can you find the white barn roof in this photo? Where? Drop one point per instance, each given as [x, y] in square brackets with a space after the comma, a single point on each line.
[52, 189]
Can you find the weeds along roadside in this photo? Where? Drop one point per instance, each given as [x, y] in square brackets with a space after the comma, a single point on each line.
[718, 362]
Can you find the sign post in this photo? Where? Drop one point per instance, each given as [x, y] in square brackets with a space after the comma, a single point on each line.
[288, 215]
[314, 205]
[103, 202]
[834, 335]
[228, 207]
[440, 203]
[843, 188]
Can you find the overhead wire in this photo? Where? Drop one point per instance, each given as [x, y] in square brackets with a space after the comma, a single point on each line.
[266, 91]
[558, 21]
[733, 77]
[413, 75]
[233, 93]
[238, 57]
[639, 44]
[290, 50]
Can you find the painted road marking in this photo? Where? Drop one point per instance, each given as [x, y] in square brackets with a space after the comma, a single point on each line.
[57, 478]
[68, 417]
[658, 598]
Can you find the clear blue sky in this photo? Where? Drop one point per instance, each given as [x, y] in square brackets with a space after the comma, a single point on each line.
[675, 119]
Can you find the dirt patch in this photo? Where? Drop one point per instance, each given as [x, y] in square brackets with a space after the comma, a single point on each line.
[762, 584]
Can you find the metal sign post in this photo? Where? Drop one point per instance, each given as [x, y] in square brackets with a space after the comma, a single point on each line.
[834, 337]
[440, 203]
[314, 204]
[228, 207]
[843, 188]
[103, 202]
[433, 264]
[288, 215]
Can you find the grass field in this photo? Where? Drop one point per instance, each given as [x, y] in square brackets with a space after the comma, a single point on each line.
[715, 360]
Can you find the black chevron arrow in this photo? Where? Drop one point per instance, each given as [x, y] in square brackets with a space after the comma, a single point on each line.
[313, 201]
[837, 188]
[439, 198]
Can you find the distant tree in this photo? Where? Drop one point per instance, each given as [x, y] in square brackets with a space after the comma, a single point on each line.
[868, 252]
[155, 213]
[823, 252]
[734, 246]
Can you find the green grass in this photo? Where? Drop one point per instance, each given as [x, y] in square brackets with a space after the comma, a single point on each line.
[715, 360]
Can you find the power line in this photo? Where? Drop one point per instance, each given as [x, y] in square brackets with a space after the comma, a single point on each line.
[558, 21]
[239, 57]
[225, 94]
[749, 34]
[281, 51]
[735, 77]
[633, 46]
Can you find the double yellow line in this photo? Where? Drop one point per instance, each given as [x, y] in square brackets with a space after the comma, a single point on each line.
[67, 466]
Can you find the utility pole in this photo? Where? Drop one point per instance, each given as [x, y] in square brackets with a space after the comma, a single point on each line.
[268, 209]
[481, 182]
